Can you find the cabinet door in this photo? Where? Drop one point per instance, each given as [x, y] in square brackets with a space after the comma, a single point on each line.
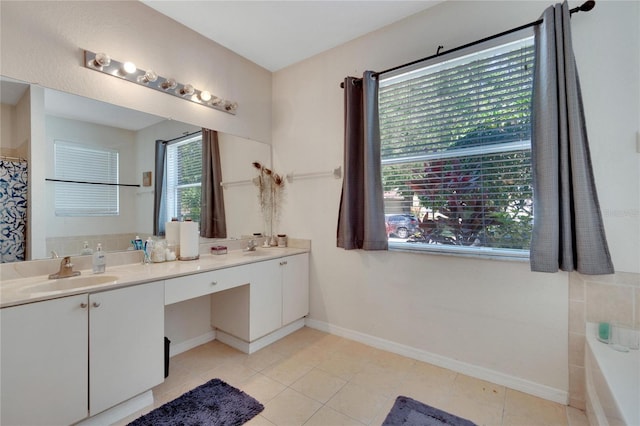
[265, 301]
[295, 287]
[126, 343]
[44, 362]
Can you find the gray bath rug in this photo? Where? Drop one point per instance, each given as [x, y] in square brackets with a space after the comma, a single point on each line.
[409, 412]
[213, 404]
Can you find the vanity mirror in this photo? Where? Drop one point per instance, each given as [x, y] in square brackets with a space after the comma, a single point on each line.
[31, 131]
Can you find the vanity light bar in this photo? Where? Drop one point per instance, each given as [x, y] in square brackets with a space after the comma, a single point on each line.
[128, 71]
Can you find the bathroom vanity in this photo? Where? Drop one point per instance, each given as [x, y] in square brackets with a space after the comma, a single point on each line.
[69, 353]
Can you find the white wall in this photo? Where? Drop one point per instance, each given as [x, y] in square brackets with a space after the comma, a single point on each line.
[491, 318]
[43, 41]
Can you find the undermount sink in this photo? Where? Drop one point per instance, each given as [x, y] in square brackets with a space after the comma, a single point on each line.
[72, 283]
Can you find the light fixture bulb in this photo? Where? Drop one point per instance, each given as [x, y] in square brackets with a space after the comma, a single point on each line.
[129, 67]
[169, 83]
[205, 96]
[101, 60]
[148, 77]
[187, 90]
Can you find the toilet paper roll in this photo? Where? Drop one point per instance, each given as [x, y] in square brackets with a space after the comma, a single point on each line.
[172, 235]
[189, 240]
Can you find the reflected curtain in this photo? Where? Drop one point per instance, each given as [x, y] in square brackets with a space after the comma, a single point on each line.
[568, 232]
[159, 202]
[213, 222]
[361, 216]
[13, 210]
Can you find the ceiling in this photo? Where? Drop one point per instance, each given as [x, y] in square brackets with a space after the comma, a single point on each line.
[275, 34]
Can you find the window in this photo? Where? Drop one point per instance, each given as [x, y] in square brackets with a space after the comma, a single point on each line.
[184, 178]
[456, 152]
[83, 163]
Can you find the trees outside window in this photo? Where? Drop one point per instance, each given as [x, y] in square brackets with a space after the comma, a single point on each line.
[184, 179]
[456, 149]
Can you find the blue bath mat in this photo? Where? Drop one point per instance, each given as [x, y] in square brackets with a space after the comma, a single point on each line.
[213, 404]
[409, 412]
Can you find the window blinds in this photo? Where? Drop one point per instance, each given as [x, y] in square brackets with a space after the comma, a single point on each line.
[184, 177]
[85, 163]
[456, 147]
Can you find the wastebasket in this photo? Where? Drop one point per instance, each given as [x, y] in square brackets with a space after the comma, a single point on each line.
[167, 344]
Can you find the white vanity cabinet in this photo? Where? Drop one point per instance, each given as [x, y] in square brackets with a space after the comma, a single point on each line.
[126, 343]
[277, 294]
[44, 362]
[68, 358]
[191, 286]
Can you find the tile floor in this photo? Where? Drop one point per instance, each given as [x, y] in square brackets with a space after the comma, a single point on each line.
[313, 378]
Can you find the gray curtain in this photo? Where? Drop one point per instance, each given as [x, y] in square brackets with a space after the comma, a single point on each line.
[361, 217]
[159, 210]
[213, 223]
[568, 232]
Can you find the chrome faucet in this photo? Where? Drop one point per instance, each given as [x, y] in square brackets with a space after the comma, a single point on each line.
[66, 270]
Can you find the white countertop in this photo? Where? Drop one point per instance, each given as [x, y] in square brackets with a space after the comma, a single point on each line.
[17, 291]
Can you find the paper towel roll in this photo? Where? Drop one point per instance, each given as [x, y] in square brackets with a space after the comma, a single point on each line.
[189, 240]
[172, 235]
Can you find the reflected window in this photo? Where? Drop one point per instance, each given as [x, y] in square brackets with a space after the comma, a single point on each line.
[92, 175]
[184, 178]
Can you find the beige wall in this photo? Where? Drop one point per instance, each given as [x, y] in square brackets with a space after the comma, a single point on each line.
[493, 318]
[613, 299]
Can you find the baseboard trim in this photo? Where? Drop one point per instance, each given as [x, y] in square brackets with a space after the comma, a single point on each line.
[256, 345]
[120, 411]
[178, 348]
[516, 383]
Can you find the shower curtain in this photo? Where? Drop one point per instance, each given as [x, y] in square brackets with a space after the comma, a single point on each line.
[13, 208]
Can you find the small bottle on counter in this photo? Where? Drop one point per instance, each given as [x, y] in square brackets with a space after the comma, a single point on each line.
[86, 249]
[99, 260]
[137, 243]
[148, 248]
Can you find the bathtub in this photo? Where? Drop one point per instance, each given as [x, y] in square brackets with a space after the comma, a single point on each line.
[612, 383]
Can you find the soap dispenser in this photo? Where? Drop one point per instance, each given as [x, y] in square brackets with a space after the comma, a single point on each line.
[99, 260]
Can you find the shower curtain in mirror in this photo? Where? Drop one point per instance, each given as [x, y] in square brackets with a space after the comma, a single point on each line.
[13, 207]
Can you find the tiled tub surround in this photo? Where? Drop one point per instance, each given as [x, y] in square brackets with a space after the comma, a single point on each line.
[607, 298]
[612, 383]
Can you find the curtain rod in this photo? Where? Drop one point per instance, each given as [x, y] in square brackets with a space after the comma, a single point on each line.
[186, 135]
[584, 7]
[9, 158]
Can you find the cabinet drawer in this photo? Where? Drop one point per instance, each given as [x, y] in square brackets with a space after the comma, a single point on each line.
[196, 285]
